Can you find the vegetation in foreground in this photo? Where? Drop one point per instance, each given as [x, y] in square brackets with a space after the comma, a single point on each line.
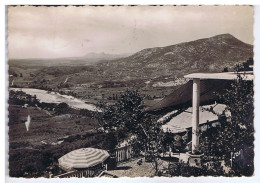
[119, 121]
[224, 143]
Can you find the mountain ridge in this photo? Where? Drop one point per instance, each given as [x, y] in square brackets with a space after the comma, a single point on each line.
[149, 68]
[204, 55]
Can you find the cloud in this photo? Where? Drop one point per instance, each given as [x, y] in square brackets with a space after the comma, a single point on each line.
[44, 32]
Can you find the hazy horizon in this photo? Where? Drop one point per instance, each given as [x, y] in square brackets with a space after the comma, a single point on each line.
[119, 54]
[60, 32]
[78, 56]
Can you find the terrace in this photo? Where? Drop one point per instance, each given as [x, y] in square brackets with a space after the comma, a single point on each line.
[196, 77]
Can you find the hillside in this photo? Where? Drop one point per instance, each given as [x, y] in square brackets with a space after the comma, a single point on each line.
[204, 55]
[156, 71]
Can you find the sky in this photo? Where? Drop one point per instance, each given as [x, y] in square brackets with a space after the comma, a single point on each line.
[55, 32]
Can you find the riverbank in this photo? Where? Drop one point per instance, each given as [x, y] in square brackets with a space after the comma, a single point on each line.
[53, 97]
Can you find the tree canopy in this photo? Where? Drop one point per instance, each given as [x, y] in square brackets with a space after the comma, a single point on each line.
[236, 133]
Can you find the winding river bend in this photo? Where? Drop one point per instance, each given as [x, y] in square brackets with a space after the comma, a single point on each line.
[52, 97]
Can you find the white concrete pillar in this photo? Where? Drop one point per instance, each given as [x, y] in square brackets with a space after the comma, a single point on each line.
[195, 114]
[124, 154]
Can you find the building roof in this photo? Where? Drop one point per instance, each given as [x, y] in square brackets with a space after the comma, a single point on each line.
[248, 75]
[210, 84]
[183, 121]
[183, 95]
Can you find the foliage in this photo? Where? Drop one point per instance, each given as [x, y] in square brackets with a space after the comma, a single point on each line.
[236, 133]
[124, 114]
[62, 108]
[125, 118]
[208, 169]
[152, 138]
[225, 69]
[110, 142]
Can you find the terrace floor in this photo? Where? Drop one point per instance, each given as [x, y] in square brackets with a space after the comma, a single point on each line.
[132, 169]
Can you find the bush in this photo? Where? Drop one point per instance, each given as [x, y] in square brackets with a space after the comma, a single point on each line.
[62, 108]
[183, 169]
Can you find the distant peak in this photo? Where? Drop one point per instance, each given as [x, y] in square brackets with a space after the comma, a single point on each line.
[227, 35]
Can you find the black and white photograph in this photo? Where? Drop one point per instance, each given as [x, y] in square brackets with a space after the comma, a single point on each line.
[130, 91]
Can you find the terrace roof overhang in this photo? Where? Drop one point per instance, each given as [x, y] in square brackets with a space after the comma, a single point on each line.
[196, 77]
[247, 75]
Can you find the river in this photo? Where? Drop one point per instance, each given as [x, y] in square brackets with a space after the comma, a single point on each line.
[52, 97]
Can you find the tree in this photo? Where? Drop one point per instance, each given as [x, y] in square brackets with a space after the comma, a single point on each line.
[62, 108]
[124, 114]
[153, 138]
[110, 142]
[236, 134]
[125, 118]
[121, 117]
[225, 69]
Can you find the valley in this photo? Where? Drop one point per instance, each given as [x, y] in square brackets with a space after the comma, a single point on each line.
[154, 72]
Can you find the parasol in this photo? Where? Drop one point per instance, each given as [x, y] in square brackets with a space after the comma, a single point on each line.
[83, 158]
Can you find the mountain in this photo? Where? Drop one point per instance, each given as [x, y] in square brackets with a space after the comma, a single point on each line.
[204, 55]
[149, 69]
[103, 56]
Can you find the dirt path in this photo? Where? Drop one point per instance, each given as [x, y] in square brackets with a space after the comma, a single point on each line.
[132, 169]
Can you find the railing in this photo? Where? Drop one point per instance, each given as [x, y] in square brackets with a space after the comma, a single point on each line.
[81, 173]
[124, 153]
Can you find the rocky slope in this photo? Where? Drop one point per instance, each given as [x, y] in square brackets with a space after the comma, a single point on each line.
[203, 55]
[153, 67]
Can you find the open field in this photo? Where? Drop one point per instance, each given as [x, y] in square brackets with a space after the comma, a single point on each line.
[44, 127]
[49, 137]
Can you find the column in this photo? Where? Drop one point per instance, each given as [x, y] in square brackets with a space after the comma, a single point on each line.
[195, 114]
[117, 155]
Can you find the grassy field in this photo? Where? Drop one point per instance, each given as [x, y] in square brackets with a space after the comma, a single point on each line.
[50, 136]
[44, 127]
